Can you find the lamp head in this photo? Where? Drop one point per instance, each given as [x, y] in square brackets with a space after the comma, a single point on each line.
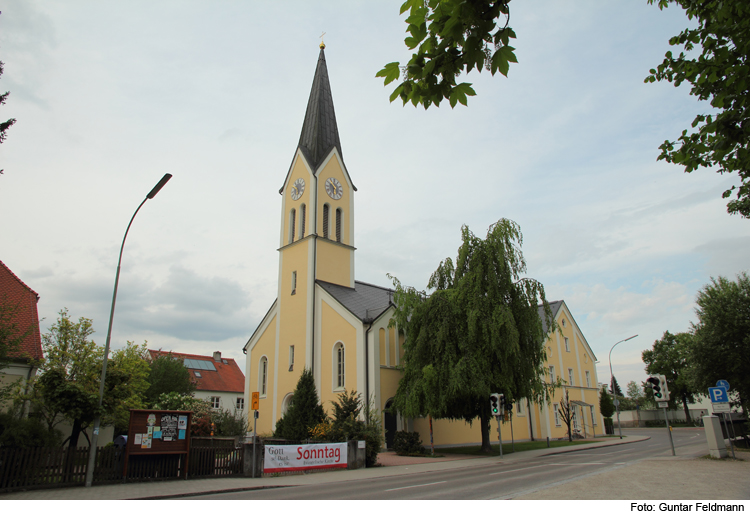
[159, 185]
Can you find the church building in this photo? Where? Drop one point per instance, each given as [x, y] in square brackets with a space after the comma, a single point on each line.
[325, 320]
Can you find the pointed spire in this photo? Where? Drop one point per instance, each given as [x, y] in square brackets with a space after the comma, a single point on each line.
[319, 130]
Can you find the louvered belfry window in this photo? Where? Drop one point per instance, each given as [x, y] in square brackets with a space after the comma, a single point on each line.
[338, 225]
[325, 220]
[292, 224]
[302, 211]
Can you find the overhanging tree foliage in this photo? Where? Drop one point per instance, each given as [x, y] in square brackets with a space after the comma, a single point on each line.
[721, 349]
[479, 332]
[449, 37]
[670, 356]
[5, 125]
[719, 74]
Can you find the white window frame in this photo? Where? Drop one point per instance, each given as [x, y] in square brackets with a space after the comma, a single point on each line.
[263, 376]
[588, 379]
[216, 402]
[552, 374]
[240, 404]
[302, 214]
[570, 376]
[520, 406]
[567, 345]
[294, 283]
[556, 409]
[291, 358]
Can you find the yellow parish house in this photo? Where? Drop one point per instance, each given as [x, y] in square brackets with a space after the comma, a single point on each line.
[326, 321]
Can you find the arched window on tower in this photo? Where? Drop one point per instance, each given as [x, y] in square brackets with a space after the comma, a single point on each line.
[339, 221]
[292, 224]
[325, 220]
[302, 211]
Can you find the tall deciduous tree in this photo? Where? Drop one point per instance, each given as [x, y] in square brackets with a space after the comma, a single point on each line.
[670, 356]
[168, 374]
[718, 74]
[478, 333]
[721, 349]
[565, 410]
[449, 37]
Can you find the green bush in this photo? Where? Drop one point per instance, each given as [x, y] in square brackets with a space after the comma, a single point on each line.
[304, 413]
[26, 432]
[230, 424]
[407, 443]
[346, 425]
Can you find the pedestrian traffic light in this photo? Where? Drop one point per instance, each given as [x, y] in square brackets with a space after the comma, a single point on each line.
[495, 404]
[502, 400]
[659, 386]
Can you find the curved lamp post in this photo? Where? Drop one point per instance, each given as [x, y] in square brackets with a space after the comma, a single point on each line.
[97, 419]
[611, 382]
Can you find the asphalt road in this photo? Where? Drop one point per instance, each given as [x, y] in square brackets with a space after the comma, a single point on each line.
[493, 481]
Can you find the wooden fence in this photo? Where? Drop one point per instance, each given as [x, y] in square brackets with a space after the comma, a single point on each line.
[33, 468]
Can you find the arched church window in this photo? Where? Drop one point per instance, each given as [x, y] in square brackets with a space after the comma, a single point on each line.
[340, 379]
[302, 211]
[325, 220]
[292, 224]
[339, 214]
[263, 376]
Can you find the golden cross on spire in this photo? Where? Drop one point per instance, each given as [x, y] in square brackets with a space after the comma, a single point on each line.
[322, 44]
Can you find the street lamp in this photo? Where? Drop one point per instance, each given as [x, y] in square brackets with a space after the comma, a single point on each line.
[612, 384]
[97, 419]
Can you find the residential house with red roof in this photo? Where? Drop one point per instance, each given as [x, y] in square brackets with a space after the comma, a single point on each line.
[218, 380]
[18, 306]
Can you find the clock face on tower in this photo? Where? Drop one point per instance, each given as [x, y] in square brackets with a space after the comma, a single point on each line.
[334, 189]
[298, 189]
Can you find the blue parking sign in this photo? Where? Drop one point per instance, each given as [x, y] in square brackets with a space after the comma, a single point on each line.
[718, 395]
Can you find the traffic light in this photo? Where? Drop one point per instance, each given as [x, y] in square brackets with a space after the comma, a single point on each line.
[659, 386]
[495, 404]
[502, 400]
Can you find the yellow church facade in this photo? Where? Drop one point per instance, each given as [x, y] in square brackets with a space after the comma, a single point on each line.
[326, 321]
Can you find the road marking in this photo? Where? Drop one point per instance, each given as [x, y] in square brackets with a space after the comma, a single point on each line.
[581, 464]
[514, 470]
[417, 485]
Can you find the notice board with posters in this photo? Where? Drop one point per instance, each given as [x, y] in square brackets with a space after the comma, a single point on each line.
[156, 432]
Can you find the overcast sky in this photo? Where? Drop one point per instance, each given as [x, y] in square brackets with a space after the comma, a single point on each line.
[110, 95]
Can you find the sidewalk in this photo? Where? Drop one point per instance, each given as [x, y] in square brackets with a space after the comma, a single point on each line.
[391, 465]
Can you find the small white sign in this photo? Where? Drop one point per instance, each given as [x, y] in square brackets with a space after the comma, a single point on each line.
[361, 444]
[663, 405]
[721, 407]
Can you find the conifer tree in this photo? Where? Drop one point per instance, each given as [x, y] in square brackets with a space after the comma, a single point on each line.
[304, 413]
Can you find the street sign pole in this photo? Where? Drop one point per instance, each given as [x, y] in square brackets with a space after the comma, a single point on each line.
[666, 420]
[499, 436]
[254, 406]
[255, 437]
[731, 442]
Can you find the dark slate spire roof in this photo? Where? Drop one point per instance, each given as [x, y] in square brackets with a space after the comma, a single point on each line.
[319, 131]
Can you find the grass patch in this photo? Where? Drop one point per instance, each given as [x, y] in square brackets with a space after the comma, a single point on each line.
[519, 446]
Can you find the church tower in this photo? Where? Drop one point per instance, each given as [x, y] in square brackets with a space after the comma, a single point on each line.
[317, 220]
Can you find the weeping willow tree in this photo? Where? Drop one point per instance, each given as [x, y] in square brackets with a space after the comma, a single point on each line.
[477, 332]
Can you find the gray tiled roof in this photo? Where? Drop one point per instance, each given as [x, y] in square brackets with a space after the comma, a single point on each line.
[365, 301]
[555, 306]
[319, 130]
